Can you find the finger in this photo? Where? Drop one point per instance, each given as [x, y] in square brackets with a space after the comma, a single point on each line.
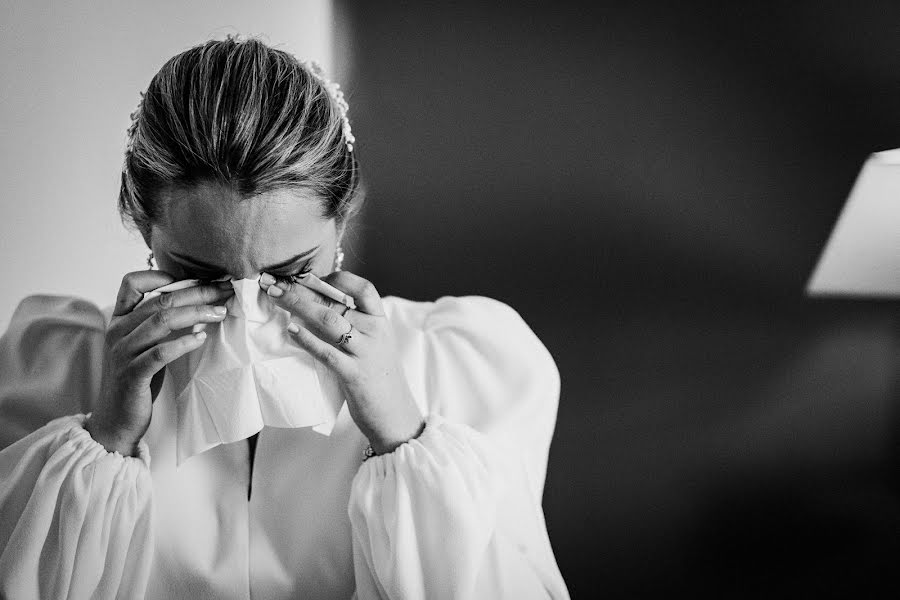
[296, 290]
[285, 292]
[164, 323]
[367, 298]
[316, 312]
[134, 285]
[155, 358]
[327, 325]
[199, 294]
[336, 360]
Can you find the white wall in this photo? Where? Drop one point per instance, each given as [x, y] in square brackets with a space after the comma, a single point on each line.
[71, 73]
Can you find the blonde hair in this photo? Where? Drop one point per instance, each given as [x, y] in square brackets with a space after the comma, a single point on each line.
[246, 116]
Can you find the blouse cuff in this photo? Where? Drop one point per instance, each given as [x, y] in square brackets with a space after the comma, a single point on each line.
[432, 422]
[81, 441]
[423, 515]
[440, 443]
[76, 517]
[450, 472]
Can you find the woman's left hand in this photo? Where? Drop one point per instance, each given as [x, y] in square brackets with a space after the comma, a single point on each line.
[378, 395]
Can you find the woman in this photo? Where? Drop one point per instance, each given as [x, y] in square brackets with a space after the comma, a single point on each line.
[120, 478]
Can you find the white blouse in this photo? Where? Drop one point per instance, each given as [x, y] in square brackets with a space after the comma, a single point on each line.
[454, 513]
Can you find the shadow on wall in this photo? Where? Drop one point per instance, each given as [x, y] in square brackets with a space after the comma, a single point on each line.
[650, 188]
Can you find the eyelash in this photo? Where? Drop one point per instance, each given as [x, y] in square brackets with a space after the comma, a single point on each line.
[289, 278]
[293, 277]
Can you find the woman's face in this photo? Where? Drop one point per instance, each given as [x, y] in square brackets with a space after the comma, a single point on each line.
[208, 232]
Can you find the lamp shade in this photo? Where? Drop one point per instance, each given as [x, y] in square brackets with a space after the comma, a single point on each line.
[862, 256]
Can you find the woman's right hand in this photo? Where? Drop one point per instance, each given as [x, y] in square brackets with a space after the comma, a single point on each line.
[139, 343]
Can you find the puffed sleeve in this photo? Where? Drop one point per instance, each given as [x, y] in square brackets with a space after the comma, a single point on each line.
[456, 513]
[50, 363]
[75, 519]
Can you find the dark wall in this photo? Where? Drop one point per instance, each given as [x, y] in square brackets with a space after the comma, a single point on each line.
[650, 189]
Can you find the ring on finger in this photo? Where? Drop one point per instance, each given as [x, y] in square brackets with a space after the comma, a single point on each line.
[345, 337]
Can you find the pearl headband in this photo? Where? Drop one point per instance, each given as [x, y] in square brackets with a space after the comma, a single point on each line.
[334, 90]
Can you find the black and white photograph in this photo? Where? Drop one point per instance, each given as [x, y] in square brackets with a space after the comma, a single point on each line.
[343, 300]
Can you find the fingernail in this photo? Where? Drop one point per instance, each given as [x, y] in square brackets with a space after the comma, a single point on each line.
[266, 279]
[219, 310]
[275, 291]
[293, 327]
[224, 285]
[200, 336]
[198, 327]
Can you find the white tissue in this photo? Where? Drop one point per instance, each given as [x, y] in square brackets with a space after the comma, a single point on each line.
[248, 374]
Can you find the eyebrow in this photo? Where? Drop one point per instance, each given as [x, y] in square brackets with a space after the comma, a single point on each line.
[204, 265]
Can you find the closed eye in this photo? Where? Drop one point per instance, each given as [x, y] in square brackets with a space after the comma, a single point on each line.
[293, 277]
[196, 272]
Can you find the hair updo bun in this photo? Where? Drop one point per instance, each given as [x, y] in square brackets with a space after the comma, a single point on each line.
[244, 115]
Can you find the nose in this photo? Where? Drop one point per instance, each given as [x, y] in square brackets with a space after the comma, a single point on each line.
[250, 301]
[241, 267]
[244, 274]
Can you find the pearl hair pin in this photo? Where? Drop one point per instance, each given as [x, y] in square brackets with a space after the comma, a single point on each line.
[334, 91]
